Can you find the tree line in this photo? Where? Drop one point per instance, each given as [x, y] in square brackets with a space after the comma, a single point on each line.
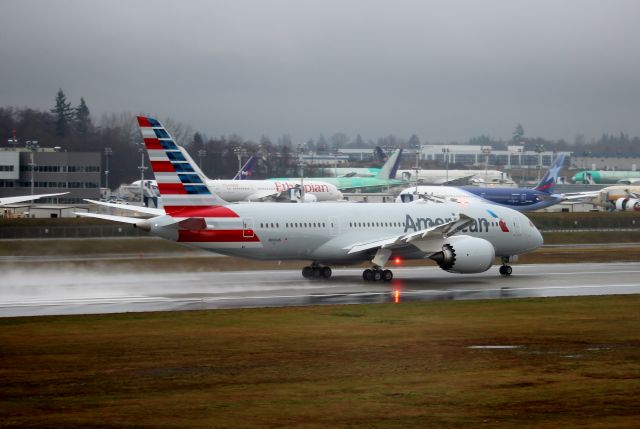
[73, 128]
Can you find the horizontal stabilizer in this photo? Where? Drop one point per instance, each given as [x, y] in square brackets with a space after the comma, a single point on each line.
[139, 209]
[122, 219]
[15, 200]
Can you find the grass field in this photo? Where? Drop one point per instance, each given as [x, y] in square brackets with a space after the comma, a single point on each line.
[575, 363]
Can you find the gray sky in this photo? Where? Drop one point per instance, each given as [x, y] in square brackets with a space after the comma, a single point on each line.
[444, 70]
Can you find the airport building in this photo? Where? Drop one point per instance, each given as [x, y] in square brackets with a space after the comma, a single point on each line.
[473, 156]
[50, 170]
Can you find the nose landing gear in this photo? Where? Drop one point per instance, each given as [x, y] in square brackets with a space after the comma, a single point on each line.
[506, 269]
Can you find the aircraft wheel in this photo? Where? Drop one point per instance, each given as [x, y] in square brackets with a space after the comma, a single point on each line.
[387, 275]
[307, 272]
[506, 270]
[377, 275]
[317, 272]
[326, 272]
[367, 274]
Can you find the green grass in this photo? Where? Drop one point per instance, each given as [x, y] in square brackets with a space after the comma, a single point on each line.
[374, 366]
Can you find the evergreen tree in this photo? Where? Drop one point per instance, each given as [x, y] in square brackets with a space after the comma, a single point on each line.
[82, 118]
[518, 133]
[63, 114]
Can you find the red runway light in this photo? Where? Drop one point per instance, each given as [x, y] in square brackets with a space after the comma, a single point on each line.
[397, 296]
[398, 260]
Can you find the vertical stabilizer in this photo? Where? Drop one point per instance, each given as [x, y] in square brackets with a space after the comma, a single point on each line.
[390, 168]
[548, 181]
[247, 169]
[181, 184]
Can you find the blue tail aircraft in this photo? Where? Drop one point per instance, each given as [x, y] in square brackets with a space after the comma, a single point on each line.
[521, 199]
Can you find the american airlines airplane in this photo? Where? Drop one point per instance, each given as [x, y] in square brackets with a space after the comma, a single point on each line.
[459, 238]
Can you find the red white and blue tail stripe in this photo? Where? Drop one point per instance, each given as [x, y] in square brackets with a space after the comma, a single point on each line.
[179, 183]
[196, 214]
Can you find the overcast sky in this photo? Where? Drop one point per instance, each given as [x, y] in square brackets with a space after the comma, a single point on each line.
[445, 70]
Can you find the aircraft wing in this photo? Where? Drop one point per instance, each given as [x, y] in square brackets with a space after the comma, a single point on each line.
[574, 196]
[132, 208]
[15, 200]
[263, 195]
[458, 181]
[428, 240]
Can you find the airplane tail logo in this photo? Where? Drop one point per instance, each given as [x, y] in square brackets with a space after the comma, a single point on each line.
[501, 223]
[247, 169]
[390, 168]
[548, 181]
[180, 183]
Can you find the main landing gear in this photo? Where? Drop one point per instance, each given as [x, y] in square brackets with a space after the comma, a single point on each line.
[377, 274]
[316, 271]
[505, 268]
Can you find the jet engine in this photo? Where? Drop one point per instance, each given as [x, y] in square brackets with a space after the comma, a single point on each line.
[309, 198]
[465, 255]
[628, 204]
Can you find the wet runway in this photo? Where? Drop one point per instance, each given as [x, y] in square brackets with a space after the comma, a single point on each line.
[25, 293]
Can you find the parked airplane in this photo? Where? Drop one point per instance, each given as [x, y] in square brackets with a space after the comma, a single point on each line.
[521, 199]
[459, 238]
[379, 156]
[236, 190]
[14, 200]
[606, 176]
[384, 177]
[617, 198]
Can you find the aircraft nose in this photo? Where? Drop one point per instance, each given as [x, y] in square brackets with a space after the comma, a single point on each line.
[537, 236]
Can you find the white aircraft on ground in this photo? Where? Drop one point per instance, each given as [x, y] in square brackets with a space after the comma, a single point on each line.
[234, 190]
[459, 238]
[23, 198]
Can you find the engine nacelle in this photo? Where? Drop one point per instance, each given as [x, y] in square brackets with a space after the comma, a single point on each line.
[309, 198]
[465, 255]
[628, 204]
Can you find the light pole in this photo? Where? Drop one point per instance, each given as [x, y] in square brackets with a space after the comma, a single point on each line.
[142, 168]
[107, 153]
[539, 149]
[32, 145]
[445, 153]
[301, 165]
[13, 141]
[487, 151]
[239, 152]
[201, 154]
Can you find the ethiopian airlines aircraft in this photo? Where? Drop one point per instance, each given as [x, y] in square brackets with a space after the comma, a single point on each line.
[459, 238]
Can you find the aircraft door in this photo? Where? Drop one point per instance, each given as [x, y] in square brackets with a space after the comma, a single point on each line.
[247, 228]
[517, 231]
[334, 228]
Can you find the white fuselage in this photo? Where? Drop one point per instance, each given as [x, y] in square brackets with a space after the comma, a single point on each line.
[256, 190]
[326, 232]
